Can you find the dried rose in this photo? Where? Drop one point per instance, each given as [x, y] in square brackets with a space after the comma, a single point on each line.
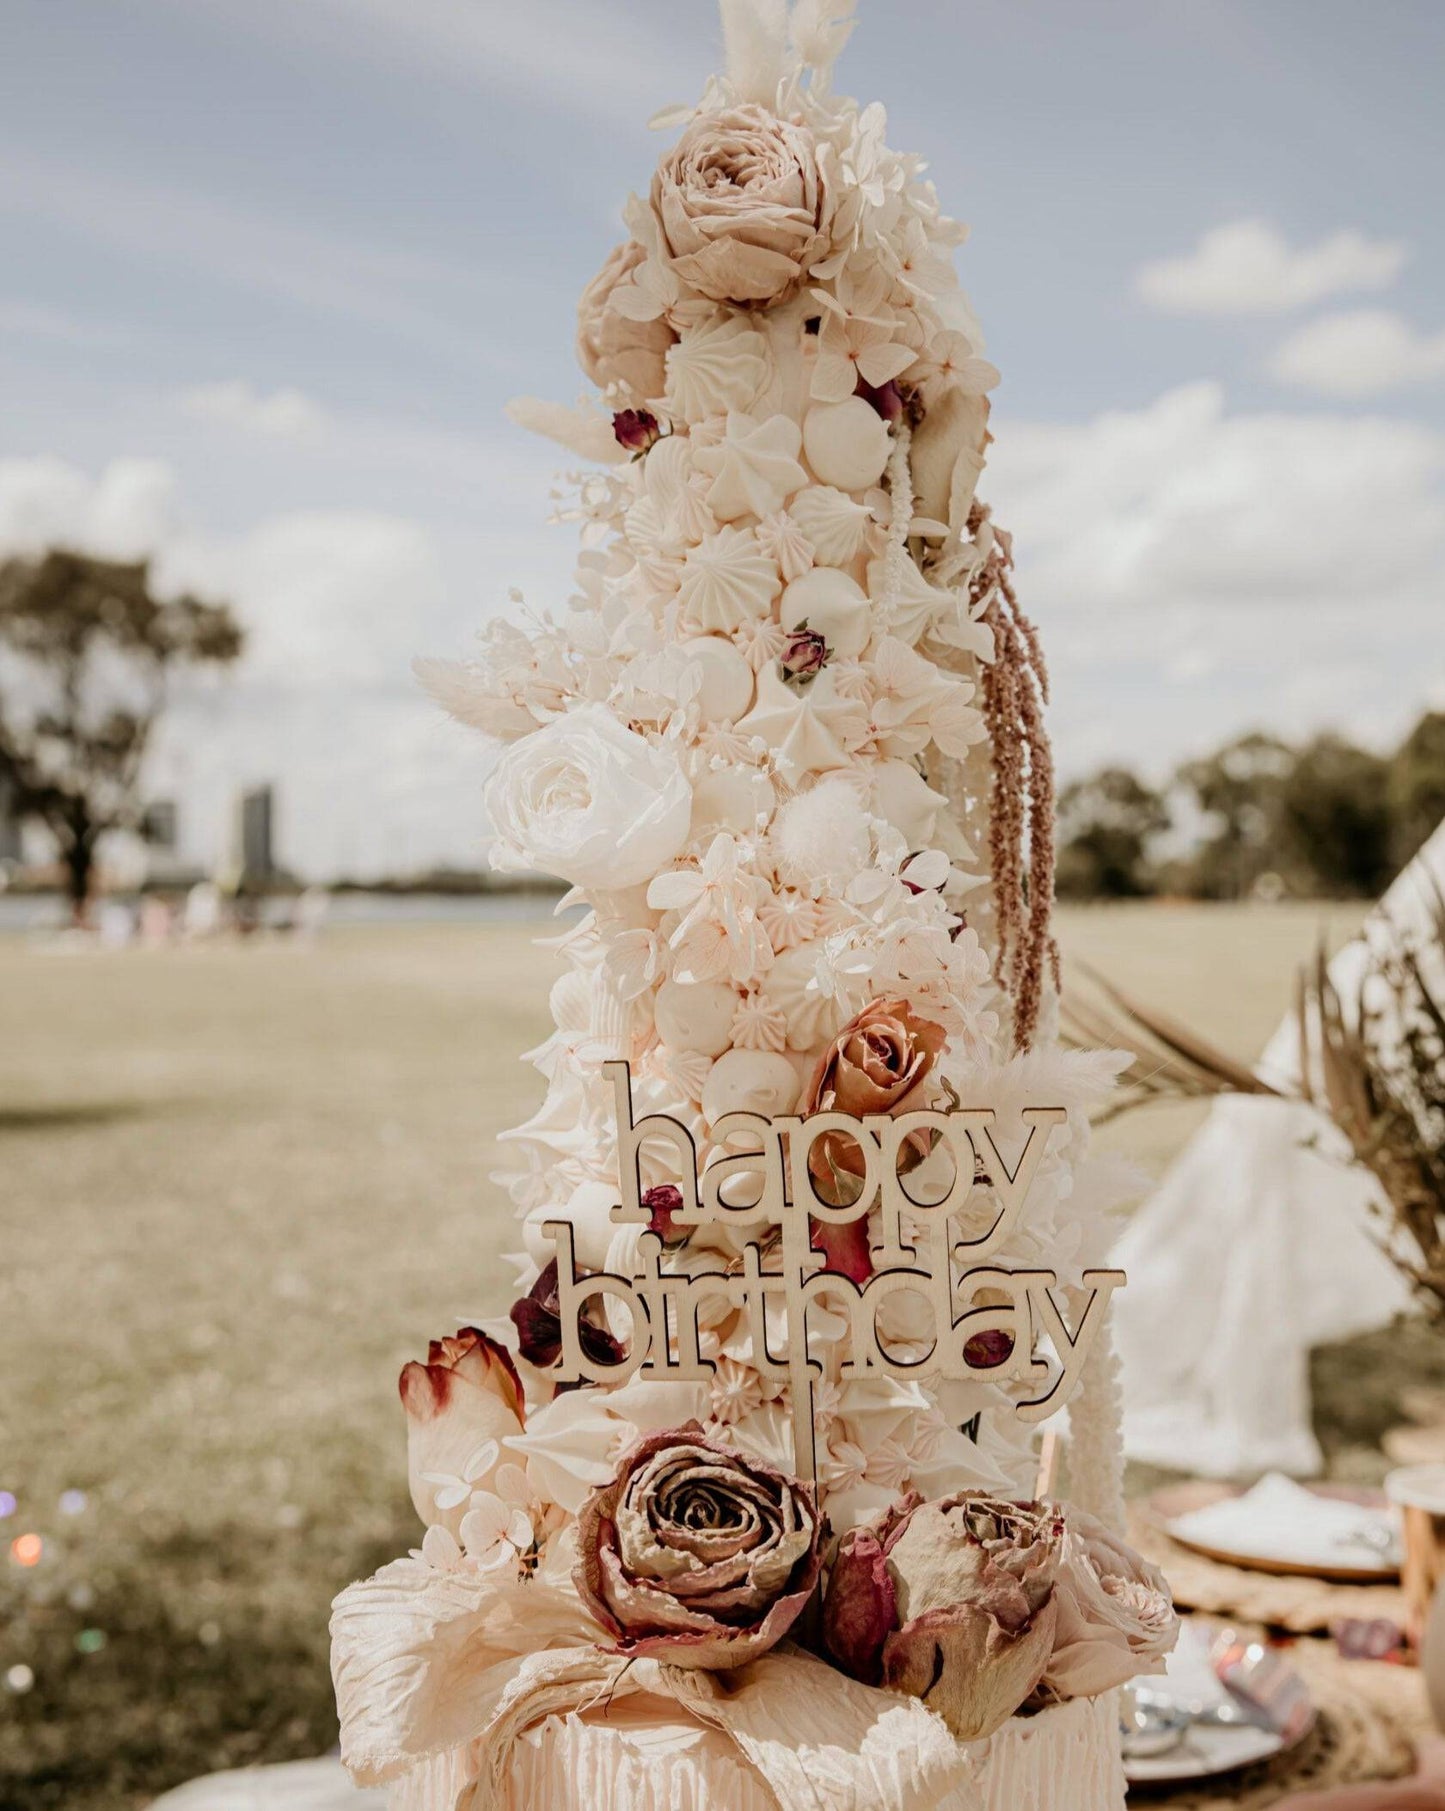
[663, 1202]
[697, 1554]
[1115, 1617]
[635, 431]
[461, 1403]
[951, 1602]
[743, 205]
[538, 1320]
[804, 655]
[878, 1063]
[887, 399]
[616, 351]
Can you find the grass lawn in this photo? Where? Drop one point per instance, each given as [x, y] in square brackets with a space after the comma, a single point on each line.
[239, 1187]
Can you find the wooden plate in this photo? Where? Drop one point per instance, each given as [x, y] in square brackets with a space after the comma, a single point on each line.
[1175, 1500]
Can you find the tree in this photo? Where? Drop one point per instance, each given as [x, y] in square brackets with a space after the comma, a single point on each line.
[1334, 821]
[86, 650]
[1416, 786]
[1237, 788]
[1106, 825]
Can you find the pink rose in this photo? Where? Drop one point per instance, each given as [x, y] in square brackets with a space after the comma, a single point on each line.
[1116, 1616]
[951, 1602]
[612, 350]
[743, 205]
[459, 1406]
[697, 1554]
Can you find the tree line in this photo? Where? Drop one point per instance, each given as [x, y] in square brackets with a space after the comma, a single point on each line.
[1322, 819]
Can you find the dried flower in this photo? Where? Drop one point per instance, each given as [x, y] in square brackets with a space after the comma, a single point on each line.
[696, 1554]
[1115, 1613]
[951, 1602]
[614, 351]
[636, 431]
[743, 206]
[805, 655]
[879, 1062]
[459, 1405]
[538, 1320]
[662, 1202]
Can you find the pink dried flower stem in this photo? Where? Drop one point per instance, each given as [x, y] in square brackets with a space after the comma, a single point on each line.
[1015, 689]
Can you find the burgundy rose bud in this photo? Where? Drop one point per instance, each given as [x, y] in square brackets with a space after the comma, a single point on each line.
[805, 655]
[887, 400]
[637, 432]
[538, 1319]
[662, 1203]
[845, 1248]
[986, 1351]
[860, 1610]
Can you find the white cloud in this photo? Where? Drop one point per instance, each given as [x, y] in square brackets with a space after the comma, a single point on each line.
[576, 57]
[335, 604]
[126, 512]
[1197, 572]
[388, 285]
[286, 414]
[1248, 267]
[1364, 352]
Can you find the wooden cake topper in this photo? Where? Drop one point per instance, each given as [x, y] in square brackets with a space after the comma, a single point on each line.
[765, 1181]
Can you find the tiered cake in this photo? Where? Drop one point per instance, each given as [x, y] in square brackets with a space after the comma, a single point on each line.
[739, 1507]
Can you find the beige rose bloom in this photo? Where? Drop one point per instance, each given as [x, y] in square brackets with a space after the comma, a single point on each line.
[613, 350]
[743, 206]
[1116, 1614]
[697, 1554]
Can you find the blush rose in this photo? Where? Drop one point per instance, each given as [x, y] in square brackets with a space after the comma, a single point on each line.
[743, 205]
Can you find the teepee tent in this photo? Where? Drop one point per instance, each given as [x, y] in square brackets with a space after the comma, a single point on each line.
[1257, 1246]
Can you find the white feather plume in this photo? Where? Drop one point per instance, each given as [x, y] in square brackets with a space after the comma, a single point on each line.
[755, 33]
[820, 29]
[586, 432]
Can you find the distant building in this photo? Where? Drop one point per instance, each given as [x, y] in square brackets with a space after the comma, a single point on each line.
[161, 825]
[9, 825]
[255, 851]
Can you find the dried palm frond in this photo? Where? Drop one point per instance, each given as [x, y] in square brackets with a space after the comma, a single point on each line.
[1171, 1062]
[1372, 1061]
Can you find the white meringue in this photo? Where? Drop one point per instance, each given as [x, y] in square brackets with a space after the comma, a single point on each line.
[714, 368]
[695, 1015]
[749, 1081]
[812, 1016]
[807, 727]
[904, 797]
[834, 524]
[784, 542]
[847, 443]
[754, 468]
[916, 606]
[732, 798]
[832, 606]
[725, 680]
[726, 582]
[589, 1209]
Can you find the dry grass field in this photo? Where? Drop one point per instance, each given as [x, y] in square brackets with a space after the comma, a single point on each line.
[239, 1186]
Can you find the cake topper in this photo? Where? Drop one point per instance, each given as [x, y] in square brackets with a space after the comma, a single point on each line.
[767, 1185]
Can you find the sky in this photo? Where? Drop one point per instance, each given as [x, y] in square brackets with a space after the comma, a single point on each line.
[270, 270]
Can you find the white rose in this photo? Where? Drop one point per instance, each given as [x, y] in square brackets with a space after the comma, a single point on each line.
[587, 800]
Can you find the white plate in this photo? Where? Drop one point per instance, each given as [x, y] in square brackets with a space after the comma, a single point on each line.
[1207, 1749]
